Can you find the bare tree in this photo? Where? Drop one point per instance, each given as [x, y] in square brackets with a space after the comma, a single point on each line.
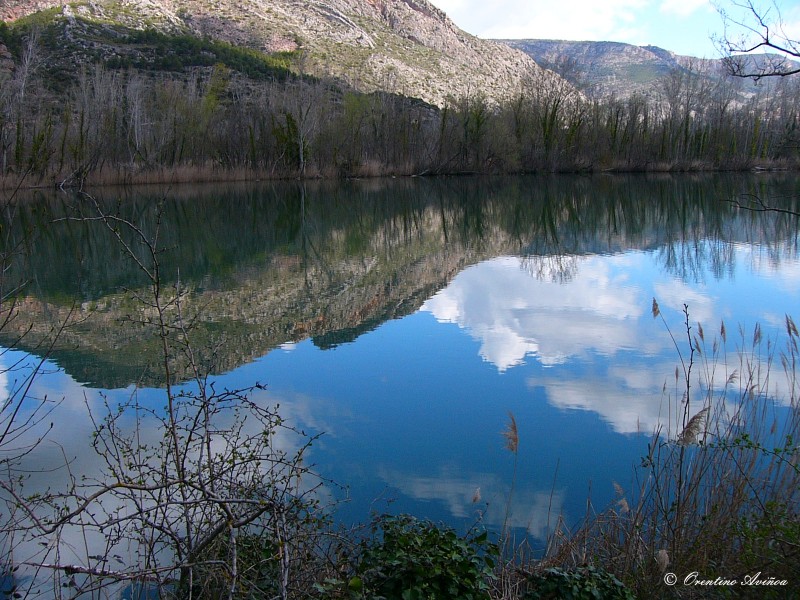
[28, 64]
[755, 41]
[185, 488]
[301, 104]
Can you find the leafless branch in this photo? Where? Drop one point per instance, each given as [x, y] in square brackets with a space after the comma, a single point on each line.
[212, 475]
[755, 43]
[755, 203]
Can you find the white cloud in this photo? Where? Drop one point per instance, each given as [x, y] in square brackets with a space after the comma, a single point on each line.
[570, 19]
[674, 294]
[683, 8]
[682, 26]
[791, 23]
[531, 509]
[450, 6]
[5, 390]
[783, 272]
[515, 315]
[628, 398]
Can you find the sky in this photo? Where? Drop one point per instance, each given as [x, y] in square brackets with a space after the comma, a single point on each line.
[682, 26]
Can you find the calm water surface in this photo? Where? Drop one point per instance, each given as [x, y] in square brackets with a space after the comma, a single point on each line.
[404, 320]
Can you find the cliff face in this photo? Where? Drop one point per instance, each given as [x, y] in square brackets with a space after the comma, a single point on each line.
[11, 10]
[403, 46]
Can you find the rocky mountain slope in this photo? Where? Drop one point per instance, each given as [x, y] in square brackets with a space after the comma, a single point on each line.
[605, 69]
[402, 46]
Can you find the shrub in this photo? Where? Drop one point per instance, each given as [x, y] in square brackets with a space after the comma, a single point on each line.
[410, 559]
[585, 583]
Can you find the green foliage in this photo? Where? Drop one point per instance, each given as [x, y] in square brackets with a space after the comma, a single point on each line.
[644, 73]
[9, 38]
[585, 583]
[287, 139]
[41, 150]
[771, 540]
[39, 19]
[769, 537]
[175, 52]
[408, 559]
[216, 88]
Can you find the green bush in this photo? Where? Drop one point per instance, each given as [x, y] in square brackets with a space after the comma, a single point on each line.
[770, 540]
[11, 39]
[585, 583]
[174, 52]
[407, 559]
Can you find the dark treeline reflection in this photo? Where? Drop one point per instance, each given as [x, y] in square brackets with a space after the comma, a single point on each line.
[280, 262]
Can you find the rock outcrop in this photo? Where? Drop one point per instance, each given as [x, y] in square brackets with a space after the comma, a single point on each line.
[408, 47]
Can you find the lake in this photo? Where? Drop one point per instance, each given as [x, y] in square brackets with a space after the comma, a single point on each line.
[405, 321]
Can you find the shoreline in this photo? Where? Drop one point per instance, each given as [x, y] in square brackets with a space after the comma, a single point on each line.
[199, 174]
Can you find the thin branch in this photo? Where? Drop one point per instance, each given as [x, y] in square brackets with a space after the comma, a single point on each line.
[757, 204]
[763, 30]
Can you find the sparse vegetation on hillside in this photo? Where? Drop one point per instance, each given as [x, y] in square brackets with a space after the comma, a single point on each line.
[159, 51]
[604, 70]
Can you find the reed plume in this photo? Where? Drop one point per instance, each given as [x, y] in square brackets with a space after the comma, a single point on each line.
[693, 428]
[476, 496]
[510, 434]
[662, 560]
[622, 502]
[791, 328]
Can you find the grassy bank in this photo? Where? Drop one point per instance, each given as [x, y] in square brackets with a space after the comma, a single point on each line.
[213, 173]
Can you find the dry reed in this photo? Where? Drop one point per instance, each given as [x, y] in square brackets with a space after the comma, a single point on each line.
[722, 497]
[511, 435]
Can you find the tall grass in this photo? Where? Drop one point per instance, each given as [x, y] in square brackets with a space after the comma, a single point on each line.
[718, 491]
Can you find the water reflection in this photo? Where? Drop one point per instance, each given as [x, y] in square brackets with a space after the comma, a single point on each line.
[330, 262]
[514, 314]
[404, 319]
[533, 511]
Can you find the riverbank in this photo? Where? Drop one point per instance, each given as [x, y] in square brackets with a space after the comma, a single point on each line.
[194, 174]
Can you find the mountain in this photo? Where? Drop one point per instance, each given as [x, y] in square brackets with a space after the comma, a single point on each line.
[601, 68]
[402, 46]
[606, 69]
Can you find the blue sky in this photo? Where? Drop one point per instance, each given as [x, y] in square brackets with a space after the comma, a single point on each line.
[682, 26]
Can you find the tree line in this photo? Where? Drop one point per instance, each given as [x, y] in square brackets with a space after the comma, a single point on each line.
[112, 125]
